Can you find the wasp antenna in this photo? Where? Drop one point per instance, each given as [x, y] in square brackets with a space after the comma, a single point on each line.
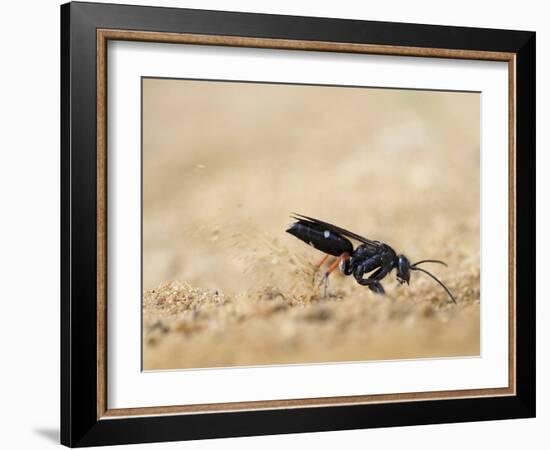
[437, 280]
[429, 261]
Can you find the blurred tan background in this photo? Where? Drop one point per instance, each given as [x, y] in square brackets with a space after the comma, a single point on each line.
[224, 164]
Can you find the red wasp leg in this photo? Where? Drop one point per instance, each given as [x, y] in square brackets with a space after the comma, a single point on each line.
[333, 266]
[320, 263]
[336, 263]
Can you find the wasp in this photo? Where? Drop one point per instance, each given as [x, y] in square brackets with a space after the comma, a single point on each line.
[374, 257]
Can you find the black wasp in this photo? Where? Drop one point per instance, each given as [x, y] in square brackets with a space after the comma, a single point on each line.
[367, 257]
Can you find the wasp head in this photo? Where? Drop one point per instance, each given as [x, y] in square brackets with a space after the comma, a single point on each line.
[403, 269]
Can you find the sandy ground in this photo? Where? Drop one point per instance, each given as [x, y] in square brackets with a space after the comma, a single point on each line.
[224, 166]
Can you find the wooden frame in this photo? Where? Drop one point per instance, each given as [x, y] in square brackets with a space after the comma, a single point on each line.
[86, 418]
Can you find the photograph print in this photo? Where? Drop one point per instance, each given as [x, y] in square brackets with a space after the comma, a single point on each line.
[298, 224]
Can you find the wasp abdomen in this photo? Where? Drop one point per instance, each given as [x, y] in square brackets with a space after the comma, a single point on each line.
[325, 241]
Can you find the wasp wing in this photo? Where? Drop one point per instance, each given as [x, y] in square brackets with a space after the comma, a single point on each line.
[328, 226]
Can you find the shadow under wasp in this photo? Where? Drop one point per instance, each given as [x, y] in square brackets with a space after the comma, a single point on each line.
[369, 256]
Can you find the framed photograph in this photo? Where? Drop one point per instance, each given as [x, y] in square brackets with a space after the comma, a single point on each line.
[279, 224]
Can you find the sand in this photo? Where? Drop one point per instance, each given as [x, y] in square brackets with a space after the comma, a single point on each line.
[226, 164]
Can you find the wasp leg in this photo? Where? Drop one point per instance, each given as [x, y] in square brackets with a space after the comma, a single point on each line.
[374, 262]
[318, 266]
[373, 282]
[344, 257]
[377, 288]
[320, 263]
[373, 285]
[325, 286]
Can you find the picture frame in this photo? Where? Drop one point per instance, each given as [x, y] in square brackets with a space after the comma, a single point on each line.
[86, 418]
